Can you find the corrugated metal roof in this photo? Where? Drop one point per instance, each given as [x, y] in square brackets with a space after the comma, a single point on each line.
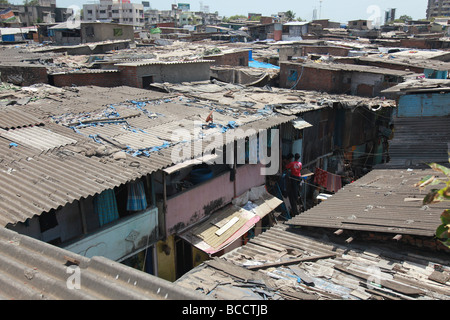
[289, 264]
[228, 224]
[34, 270]
[381, 201]
[419, 140]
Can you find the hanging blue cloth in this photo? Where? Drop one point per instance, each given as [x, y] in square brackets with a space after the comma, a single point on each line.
[136, 196]
[105, 206]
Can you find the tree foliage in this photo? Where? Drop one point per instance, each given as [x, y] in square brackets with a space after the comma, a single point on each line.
[235, 17]
[290, 15]
[403, 18]
[31, 2]
[437, 196]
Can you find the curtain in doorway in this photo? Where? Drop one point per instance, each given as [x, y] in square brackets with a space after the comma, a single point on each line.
[105, 206]
[136, 196]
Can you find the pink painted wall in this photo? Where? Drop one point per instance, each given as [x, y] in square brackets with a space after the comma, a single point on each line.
[248, 176]
[192, 205]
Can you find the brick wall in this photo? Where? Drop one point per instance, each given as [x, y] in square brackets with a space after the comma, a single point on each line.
[333, 51]
[23, 75]
[421, 43]
[392, 66]
[238, 58]
[312, 79]
[128, 75]
[100, 79]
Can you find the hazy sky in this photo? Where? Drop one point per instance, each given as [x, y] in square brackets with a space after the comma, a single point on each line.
[335, 10]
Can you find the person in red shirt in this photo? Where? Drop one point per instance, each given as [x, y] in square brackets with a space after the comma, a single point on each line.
[295, 168]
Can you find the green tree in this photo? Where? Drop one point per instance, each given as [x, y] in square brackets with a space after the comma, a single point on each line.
[403, 18]
[31, 2]
[290, 15]
[437, 196]
[4, 2]
[237, 17]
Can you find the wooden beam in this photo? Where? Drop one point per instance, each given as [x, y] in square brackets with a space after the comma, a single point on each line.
[292, 261]
[390, 284]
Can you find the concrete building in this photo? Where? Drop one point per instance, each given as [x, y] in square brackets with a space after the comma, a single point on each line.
[98, 31]
[438, 8]
[141, 74]
[290, 52]
[360, 24]
[44, 12]
[121, 11]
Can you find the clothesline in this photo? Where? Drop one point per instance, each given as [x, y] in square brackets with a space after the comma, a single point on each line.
[304, 181]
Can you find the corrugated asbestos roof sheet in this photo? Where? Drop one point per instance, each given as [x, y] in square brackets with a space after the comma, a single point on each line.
[12, 118]
[352, 68]
[37, 137]
[53, 171]
[73, 158]
[384, 200]
[283, 264]
[158, 62]
[34, 270]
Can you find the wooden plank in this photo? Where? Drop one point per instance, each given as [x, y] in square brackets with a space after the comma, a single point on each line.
[267, 245]
[440, 277]
[382, 294]
[231, 269]
[227, 226]
[306, 279]
[390, 284]
[297, 295]
[292, 261]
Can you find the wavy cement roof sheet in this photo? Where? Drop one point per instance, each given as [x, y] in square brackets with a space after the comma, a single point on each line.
[34, 270]
[33, 181]
[384, 200]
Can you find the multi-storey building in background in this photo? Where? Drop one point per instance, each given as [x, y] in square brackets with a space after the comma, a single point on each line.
[118, 11]
[42, 11]
[438, 8]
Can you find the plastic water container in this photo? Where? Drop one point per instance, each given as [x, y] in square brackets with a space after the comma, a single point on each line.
[200, 175]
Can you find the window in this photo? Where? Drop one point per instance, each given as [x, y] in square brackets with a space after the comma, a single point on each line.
[89, 11]
[90, 31]
[118, 32]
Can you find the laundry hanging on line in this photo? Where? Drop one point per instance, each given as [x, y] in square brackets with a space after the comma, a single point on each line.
[331, 182]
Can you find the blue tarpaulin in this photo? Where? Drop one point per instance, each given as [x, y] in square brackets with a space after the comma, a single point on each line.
[258, 64]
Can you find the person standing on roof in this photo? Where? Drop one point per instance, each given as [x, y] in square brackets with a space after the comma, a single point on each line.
[295, 168]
